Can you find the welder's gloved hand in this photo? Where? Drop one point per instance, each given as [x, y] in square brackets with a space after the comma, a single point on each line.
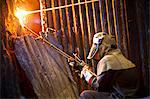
[71, 62]
[87, 75]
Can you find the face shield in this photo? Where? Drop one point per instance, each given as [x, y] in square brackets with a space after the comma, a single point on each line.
[97, 40]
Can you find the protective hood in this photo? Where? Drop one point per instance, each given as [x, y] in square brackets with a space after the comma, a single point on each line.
[97, 40]
[93, 51]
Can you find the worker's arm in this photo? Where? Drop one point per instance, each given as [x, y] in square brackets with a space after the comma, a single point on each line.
[102, 82]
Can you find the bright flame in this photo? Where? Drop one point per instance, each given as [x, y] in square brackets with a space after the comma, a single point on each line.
[20, 14]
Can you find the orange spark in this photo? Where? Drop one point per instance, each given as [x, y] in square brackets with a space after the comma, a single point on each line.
[20, 14]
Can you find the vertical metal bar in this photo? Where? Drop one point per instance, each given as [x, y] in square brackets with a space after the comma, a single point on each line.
[68, 26]
[101, 17]
[54, 17]
[62, 26]
[115, 22]
[49, 15]
[82, 31]
[76, 34]
[107, 12]
[95, 26]
[75, 24]
[41, 14]
[88, 24]
[111, 17]
[93, 9]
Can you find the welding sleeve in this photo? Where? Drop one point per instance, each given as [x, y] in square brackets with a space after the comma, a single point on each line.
[102, 82]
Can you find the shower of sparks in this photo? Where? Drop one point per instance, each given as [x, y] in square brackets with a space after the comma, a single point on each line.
[20, 14]
[60, 7]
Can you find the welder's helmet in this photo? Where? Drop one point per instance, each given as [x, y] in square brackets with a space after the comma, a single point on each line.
[101, 39]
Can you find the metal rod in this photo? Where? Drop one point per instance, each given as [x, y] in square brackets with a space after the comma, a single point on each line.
[89, 30]
[115, 22]
[41, 14]
[75, 25]
[107, 12]
[82, 31]
[54, 17]
[62, 26]
[101, 15]
[60, 7]
[94, 18]
[95, 24]
[57, 49]
[68, 27]
[88, 24]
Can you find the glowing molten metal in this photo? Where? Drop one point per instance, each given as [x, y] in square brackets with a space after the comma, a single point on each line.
[20, 14]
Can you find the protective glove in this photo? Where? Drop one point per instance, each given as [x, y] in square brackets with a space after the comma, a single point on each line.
[71, 62]
[87, 75]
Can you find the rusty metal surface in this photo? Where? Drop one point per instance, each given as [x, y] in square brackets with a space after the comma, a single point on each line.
[48, 72]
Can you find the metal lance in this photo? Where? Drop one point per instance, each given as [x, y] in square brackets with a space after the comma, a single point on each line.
[79, 61]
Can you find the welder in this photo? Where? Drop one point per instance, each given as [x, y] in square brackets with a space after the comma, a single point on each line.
[117, 77]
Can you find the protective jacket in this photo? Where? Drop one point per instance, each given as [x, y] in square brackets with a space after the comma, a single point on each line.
[116, 76]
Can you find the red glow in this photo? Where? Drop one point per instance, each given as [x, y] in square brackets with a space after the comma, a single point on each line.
[31, 20]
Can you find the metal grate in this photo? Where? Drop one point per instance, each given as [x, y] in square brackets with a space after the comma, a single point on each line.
[78, 20]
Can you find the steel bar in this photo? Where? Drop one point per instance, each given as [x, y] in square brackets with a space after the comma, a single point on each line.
[115, 22]
[54, 16]
[75, 25]
[107, 12]
[62, 26]
[94, 18]
[82, 31]
[88, 24]
[60, 7]
[68, 27]
[101, 17]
